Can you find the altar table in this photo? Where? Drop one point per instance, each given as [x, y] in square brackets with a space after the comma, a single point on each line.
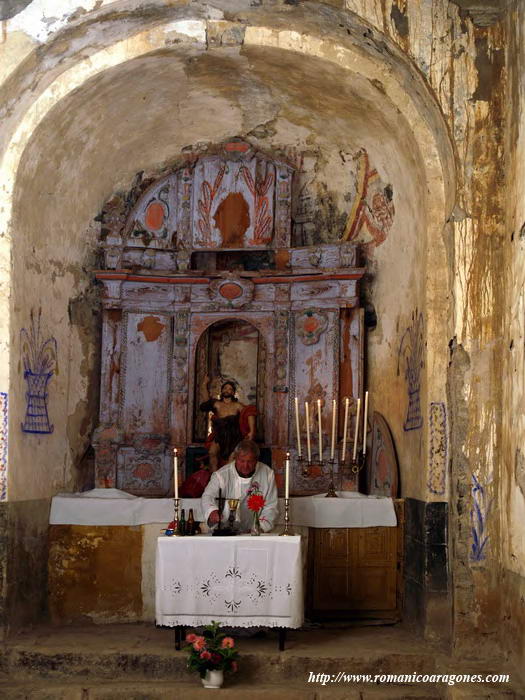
[240, 581]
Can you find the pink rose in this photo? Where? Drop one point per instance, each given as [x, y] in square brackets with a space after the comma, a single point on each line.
[205, 655]
[227, 642]
[199, 643]
[190, 638]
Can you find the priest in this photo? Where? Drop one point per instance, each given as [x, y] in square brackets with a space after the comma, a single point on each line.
[241, 478]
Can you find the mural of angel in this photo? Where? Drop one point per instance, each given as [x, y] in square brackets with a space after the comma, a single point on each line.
[372, 213]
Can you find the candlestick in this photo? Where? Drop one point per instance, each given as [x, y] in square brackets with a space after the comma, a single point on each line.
[176, 522]
[320, 430]
[299, 454]
[175, 472]
[356, 434]
[334, 412]
[364, 423]
[345, 428]
[308, 444]
[286, 532]
[331, 486]
[287, 476]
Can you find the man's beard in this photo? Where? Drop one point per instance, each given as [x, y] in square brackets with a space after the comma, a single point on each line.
[228, 396]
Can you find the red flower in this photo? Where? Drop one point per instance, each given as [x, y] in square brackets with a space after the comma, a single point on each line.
[205, 655]
[227, 642]
[256, 501]
[234, 666]
[215, 658]
[199, 643]
[190, 638]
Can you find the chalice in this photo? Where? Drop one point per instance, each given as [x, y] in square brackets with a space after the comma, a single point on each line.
[233, 504]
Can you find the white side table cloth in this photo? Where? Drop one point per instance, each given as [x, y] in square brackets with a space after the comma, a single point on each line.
[239, 581]
[113, 507]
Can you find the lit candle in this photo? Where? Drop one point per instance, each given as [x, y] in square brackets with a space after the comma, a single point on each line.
[175, 472]
[308, 444]
[356, 435]
[297, 427]
[320, 430]
[345, 428]
[364, 422]
[287, 476]
[334, 411]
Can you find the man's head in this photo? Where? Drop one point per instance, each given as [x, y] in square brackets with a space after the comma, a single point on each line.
[246, 454]
[228, 390]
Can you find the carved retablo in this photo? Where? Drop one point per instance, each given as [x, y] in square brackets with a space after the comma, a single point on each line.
[202, 284]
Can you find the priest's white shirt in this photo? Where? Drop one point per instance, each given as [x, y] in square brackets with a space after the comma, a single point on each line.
[233, 485]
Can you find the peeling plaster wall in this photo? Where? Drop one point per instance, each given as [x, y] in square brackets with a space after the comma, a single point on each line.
[512, 484]
[252, 92]
[443, 257]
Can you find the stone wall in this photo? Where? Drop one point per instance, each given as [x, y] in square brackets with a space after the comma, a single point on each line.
[91, 98]
[511, 493]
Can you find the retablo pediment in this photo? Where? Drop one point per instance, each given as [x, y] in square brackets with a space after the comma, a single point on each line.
[236, 198]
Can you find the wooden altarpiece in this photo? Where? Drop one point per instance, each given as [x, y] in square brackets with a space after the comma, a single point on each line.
[168, 276]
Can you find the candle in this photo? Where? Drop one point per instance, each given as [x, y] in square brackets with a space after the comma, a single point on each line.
[345, 428]
[308, 445]
[356, 434]
[297, 427]
[364, 422]
[175, 472]
[320, 430]
[287, 476]
[334, 411]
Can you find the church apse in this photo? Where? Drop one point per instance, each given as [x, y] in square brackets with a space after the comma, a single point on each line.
[207, 278]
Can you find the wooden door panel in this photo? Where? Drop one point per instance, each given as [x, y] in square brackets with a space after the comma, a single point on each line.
[332, 546]
[377, 545]
[332, 589]
[373, 588]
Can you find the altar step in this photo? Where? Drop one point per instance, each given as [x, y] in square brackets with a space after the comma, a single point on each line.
[161, 690]
[138, 662]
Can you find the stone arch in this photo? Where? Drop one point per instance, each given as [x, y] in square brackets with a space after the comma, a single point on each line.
[337, 41]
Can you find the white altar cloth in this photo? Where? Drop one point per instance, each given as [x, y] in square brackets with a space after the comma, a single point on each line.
[114, 507]
[239, 581]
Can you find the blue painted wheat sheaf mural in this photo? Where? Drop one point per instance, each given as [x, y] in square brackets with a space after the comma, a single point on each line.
[410, 358]
[40, 363]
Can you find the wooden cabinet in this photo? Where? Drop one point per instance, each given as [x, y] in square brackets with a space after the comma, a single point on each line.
[356, 572]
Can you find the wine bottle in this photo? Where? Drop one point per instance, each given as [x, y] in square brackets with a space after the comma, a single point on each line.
[182, 523]
[190, 523]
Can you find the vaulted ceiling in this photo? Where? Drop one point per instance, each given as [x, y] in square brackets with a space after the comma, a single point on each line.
[482, 11]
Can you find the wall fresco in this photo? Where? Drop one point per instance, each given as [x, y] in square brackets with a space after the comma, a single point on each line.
[372, 213]
[410, 357]
[479, 512]
[3, 445]
[40, 363]
[438, 448]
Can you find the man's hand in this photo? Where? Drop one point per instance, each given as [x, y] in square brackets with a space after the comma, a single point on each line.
[213, 518]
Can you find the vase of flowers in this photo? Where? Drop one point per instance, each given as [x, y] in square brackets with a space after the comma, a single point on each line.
[211, 654]
[256, 503]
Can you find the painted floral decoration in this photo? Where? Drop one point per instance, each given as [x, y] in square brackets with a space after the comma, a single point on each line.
[211, 651]
[311, 324]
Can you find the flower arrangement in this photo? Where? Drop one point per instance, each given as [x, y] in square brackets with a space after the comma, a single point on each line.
[211, 651]
[255, 503]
